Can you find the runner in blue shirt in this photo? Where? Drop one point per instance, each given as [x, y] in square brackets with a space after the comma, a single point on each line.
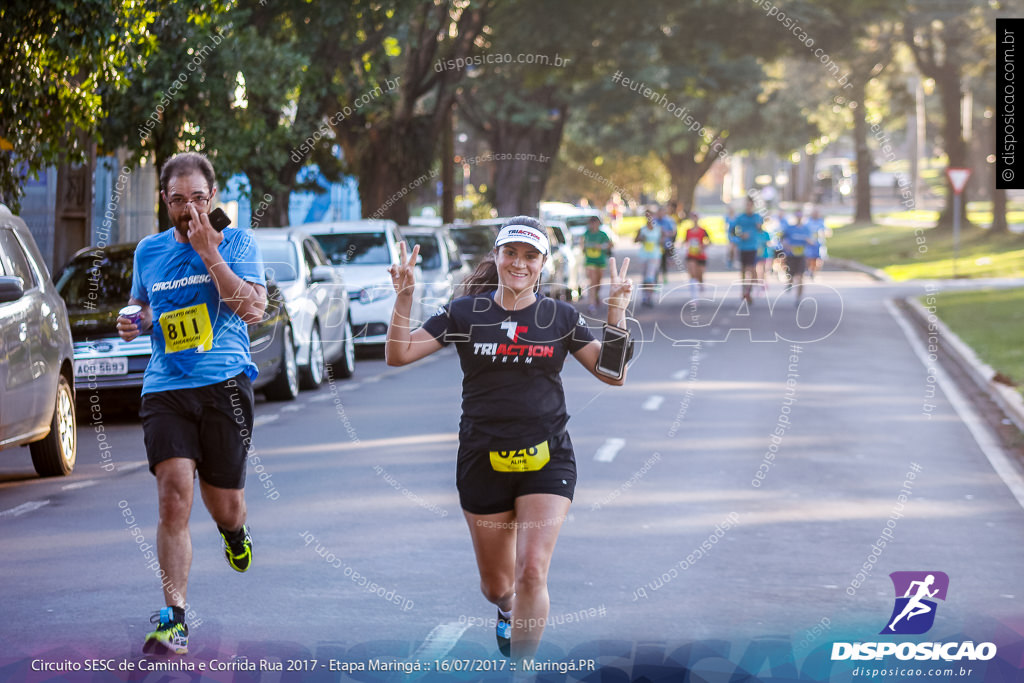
[817, 251]
[730, 222]
[796, 237]
[747, 230]
[198, 288]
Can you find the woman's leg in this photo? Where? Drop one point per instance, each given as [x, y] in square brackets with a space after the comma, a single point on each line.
[494, 541]
[539, 518]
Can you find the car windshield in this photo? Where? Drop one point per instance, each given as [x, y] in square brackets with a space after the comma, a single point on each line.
[356, 248]
[97, 279]
[478, 239]
[279, 259]
[577, 221]
[429, 250]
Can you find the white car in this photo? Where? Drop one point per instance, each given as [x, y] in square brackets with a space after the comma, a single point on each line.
[317, 302]
[364, 249]
[443, 267]
[577, 220]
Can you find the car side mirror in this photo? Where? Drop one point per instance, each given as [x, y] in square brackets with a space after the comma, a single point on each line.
[455, 265]
[11, 288]
[322, 274]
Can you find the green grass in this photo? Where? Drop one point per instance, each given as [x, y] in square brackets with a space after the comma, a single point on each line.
[979, 213]
[992, 323]
[900, 252]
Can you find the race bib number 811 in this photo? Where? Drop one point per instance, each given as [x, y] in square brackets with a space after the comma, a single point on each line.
[187, 328]
[523, 460]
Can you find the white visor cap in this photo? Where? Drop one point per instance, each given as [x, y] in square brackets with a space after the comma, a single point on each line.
[523, 233]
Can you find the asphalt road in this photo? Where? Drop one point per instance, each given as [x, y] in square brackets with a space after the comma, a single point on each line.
[728, 497]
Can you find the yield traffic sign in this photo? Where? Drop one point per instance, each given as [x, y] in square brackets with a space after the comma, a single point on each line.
[958, 177]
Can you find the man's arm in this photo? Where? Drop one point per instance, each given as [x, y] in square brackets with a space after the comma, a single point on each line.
[248, 300]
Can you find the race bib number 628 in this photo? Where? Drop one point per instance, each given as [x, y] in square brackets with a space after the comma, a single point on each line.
[523, 460]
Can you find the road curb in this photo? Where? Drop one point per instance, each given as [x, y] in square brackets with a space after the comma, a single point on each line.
[1007, 398]
[860, 267]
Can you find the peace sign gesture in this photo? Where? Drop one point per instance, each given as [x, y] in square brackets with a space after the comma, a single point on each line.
[403, 275]
[620, 291]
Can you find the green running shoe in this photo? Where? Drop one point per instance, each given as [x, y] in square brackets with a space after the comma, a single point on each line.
[239, 554]
[169, 638]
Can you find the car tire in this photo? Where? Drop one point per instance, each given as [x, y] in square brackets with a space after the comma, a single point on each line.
[312, 376]
[54, 455]
[285, 387]
[345, 366]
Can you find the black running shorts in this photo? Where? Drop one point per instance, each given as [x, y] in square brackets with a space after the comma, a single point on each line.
[748, 259]
[211, 425]
[797, 265]
[485, 490]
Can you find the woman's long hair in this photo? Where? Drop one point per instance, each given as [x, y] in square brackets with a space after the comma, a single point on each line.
[485, 278]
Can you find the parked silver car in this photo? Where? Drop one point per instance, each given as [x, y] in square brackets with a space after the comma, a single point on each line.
[37, 400]
[317, 302]
[442, 264]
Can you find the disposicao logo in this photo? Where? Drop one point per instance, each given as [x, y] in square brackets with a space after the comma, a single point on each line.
[913, 614]
[914, 611]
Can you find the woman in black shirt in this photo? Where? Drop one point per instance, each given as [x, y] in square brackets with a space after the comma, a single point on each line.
[516, 469]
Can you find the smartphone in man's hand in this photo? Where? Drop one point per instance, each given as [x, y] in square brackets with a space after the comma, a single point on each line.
[218, 219]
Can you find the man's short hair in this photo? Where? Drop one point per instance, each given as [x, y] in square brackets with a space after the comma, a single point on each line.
[187, 163]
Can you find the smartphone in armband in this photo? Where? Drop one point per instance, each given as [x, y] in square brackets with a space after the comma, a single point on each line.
[218, 219]
[612, 360]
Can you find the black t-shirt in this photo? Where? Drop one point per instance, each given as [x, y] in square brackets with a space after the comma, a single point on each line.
[512, 393]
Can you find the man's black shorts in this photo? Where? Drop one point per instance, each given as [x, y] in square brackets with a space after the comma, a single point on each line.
[748, 258]
[483, 491]
[211, 425]
[796, 265]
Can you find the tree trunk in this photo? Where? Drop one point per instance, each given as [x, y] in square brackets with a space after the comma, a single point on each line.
[686, 171]
[999, 222]
[862, 212]
[684, 179]
[522, 164]
[952, 141]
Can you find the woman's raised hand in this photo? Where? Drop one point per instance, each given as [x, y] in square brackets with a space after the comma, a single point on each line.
[403, 275]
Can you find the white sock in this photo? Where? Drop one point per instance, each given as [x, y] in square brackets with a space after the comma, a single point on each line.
[504, 614]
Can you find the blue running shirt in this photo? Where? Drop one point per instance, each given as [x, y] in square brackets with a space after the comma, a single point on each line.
[197, 339]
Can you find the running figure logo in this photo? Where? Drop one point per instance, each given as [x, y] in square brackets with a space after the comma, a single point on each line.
[914, 611]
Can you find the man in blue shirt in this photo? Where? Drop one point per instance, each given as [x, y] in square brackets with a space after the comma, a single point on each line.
[796, 238]
[669, 232]
[198, 289]
[747, 230]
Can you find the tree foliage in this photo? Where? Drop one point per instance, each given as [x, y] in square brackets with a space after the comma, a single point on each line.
[56, 58]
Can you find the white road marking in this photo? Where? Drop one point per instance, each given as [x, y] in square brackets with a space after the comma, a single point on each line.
[291, 408]
[132, 466]
[79, 485]
[320, 397]
[265, 419]
[986, 441]
[23, 508]
[653, 403]
[439, 642]
[608, 451]
[681, 374]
